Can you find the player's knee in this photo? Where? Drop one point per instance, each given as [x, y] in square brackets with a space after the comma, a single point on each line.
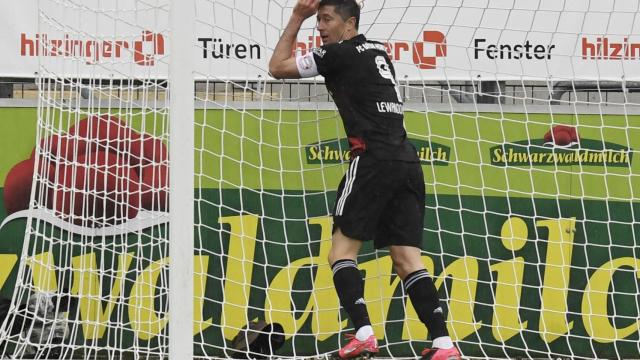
[405, 266]
[331, 258]
[335, 255]
[401, 270]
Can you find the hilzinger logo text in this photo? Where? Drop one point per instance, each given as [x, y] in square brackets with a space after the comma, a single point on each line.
[144, 50]
[604, 48]
[422, 58]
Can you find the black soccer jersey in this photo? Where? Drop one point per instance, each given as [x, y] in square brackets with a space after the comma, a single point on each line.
[361, 80]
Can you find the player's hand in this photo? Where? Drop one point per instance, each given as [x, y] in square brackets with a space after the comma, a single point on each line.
[306, 8]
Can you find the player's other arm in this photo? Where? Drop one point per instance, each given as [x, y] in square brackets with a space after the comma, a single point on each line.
[283, 62]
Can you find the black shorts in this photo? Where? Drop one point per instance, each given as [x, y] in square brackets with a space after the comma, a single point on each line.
[381, 200]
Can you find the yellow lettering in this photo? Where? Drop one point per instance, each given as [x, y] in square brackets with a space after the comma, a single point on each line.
[200, 266]
[553, 309]
[442, 155]
[551, 158]
[498, 156]
[87, 282]
[464, 273]
[514, 233]
[596, 296]
[568, 158]
[142, 311]
[7, 262]
[423, 154]
[43, 272]
[327, 152]
[506, 320]
[237, 285]
[596, 157]
[323, 301]
[562, 158]
[582, 157]
[523, 157]
[534, 157]
[313, 153]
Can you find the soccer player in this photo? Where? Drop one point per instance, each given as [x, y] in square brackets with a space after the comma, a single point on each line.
[381, 198]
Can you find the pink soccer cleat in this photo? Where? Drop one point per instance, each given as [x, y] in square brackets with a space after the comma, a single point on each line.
[441, 354]
[359, 349]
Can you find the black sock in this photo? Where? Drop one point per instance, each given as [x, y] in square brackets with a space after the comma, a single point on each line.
[424, 297]
[350, 289]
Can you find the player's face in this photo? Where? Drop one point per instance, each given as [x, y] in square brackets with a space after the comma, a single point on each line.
[330, 25]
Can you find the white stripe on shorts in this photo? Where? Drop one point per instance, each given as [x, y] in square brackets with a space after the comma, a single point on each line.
[348, 185]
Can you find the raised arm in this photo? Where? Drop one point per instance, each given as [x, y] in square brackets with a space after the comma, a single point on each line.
[283, 62]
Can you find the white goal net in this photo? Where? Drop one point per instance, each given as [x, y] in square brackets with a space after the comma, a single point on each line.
[525, 116]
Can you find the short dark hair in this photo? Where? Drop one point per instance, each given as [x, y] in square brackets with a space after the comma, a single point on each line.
[345, 8]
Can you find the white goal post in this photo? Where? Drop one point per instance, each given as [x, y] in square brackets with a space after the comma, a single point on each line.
[179, 199]
[181, 134]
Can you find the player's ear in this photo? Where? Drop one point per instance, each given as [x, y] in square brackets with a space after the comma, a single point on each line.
[352, 22]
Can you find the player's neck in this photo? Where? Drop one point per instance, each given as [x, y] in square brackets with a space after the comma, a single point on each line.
[348, 35]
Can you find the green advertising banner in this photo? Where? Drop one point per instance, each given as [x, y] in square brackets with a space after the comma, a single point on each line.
[531, 243]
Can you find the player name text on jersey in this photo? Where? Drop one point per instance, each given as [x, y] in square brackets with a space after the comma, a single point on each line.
[367, 46]
[390, 107]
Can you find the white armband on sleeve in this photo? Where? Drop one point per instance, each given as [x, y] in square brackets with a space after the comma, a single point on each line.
[307, 65]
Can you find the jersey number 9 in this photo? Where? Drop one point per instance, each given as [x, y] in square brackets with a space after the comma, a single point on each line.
[385, 72]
